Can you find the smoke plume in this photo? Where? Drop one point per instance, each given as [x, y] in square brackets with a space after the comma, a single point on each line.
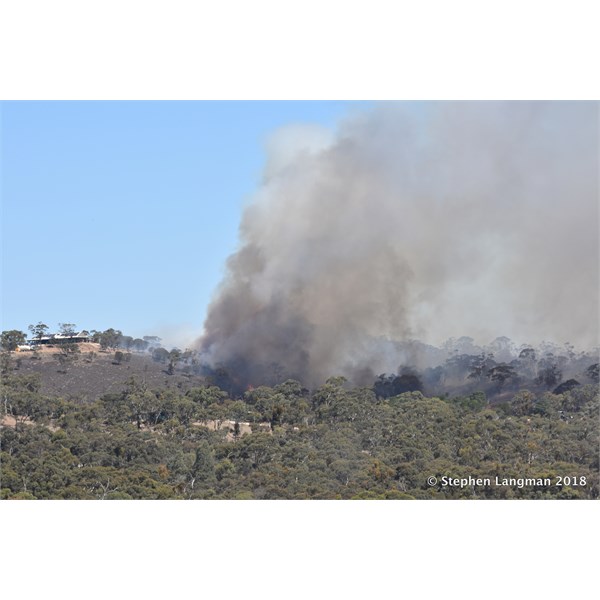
[413, 222]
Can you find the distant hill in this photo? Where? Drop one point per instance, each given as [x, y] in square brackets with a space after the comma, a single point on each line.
[96, 372]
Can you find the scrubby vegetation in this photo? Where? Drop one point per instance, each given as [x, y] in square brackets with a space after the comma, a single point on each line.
[337, 441]
[120, 418]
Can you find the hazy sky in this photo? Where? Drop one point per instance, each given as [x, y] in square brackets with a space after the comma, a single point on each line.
[456, 219]
[122, 214]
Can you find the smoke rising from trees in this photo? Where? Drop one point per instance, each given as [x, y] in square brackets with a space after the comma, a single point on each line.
[428, 222]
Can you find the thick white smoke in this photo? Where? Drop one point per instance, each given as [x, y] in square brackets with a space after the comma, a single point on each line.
[450, 219]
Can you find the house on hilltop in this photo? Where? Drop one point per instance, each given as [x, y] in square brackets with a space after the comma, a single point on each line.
[58, 338]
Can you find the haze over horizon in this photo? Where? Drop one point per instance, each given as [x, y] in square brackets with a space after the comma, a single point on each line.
[359, 221]
[469, 219]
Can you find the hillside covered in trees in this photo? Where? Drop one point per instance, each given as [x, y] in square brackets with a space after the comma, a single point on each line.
[119, 418]
[284, 441]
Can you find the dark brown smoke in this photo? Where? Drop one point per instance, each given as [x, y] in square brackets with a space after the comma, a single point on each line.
[426, 221]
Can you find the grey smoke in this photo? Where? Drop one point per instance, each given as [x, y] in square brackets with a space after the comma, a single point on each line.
[413, 222]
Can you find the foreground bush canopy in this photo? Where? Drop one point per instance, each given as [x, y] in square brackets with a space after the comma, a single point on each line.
[336, 442]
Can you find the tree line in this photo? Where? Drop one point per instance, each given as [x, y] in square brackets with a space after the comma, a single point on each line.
[109, 339]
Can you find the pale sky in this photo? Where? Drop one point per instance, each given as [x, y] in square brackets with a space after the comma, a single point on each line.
[122, 214]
